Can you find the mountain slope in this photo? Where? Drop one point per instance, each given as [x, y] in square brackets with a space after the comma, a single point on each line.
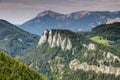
[14, 40]
[110, 33]
[11, 69]
[45, 20]
[76, 21]
[69, 56]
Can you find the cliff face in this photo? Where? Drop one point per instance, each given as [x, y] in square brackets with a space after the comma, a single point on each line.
[55, 39]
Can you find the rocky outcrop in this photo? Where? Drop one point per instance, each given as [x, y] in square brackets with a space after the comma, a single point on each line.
[108, 57]
[43, 38]
[75, 65]
[90, 46]
[55, 39]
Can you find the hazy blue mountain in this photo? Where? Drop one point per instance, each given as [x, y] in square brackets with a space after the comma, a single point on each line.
[76, 21]
[14, 40]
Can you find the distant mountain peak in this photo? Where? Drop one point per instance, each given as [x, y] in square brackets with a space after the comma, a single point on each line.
[80, 14]
[48, 12]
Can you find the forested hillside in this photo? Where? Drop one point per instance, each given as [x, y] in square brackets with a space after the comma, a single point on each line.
[13, 69]
[65, 55]
[107, 34]
[108, 31]
[14, 40]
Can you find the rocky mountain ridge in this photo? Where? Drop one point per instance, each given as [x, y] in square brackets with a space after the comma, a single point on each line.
[76, 21]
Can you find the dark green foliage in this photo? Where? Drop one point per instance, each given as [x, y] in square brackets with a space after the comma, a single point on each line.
[108, 31]
[89, 75]
[12, 69]
[39, 57]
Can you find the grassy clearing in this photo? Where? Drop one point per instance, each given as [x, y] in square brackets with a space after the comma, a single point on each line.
[100, 40]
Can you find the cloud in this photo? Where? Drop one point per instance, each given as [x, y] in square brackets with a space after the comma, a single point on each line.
[61, 3]
[31, 8]
[14, 5]
[64, 6]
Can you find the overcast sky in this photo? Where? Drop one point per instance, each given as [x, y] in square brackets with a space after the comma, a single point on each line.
[19, 11]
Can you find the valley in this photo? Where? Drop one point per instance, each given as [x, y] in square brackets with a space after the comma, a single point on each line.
[64, 52]
[54, 46]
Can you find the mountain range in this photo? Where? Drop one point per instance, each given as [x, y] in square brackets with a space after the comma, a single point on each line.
[76, 21]
[59, 53]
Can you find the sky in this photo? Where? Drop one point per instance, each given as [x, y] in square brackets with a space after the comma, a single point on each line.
[19, 11]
